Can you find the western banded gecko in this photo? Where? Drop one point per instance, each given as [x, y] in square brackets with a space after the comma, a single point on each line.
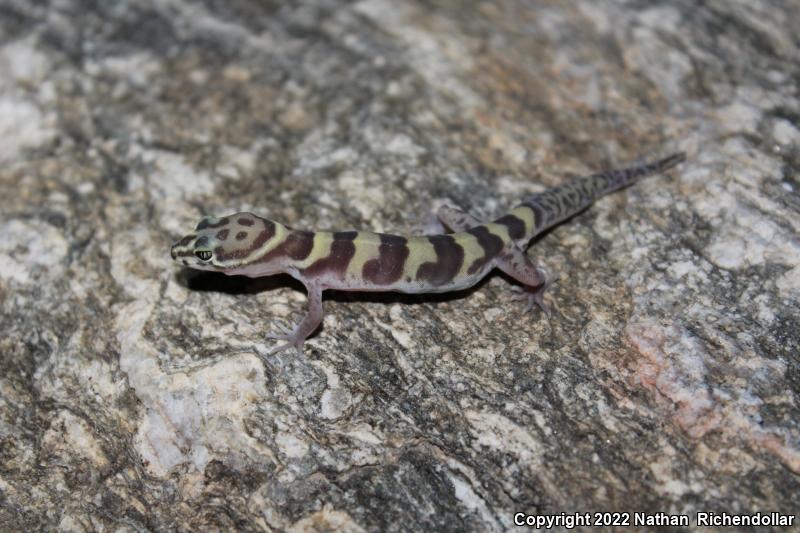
[248, 245]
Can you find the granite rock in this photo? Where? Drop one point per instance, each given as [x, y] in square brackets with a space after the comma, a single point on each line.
[138, 396]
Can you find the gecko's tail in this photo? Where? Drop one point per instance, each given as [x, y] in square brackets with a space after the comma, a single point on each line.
[670, 161]
[559, 203]
[617, 179]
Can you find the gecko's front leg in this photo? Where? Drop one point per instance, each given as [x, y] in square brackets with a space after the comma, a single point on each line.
[312, 320]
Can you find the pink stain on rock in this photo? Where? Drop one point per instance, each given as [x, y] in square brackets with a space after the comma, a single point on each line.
[674, 370]
[673, 367]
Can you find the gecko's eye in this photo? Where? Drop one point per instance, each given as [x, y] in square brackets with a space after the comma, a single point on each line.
[203, 255]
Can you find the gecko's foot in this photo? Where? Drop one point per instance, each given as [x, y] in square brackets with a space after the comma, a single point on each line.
[533, 296]
[430, 225]
[287, 334]
[291, 343]
[283, 347]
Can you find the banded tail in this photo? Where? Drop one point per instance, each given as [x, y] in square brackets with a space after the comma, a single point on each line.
[559, 203]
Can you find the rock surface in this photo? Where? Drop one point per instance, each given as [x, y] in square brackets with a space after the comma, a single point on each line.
[135, 395]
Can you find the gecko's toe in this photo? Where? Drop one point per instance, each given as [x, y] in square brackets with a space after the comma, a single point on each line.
[291, 344]
[537, 298]
[522, 294]
[532, 296]
[289, 336]
[286, 332]
[430, 225]
[279, 348]
[284, 336]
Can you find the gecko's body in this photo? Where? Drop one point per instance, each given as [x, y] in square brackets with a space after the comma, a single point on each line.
[245, 244]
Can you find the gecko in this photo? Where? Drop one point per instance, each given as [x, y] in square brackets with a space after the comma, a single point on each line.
[249, 245]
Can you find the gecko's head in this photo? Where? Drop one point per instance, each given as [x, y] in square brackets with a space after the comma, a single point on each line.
[224, 244]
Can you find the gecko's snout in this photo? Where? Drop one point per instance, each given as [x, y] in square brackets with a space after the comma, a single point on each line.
[182, 249]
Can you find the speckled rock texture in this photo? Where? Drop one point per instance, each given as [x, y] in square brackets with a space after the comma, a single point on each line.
[135, 395]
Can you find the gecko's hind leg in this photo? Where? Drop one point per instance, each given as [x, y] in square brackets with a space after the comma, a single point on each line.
[446, 219]
[456, 219]
[513, 262]
[296, 337]
[516, 264]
